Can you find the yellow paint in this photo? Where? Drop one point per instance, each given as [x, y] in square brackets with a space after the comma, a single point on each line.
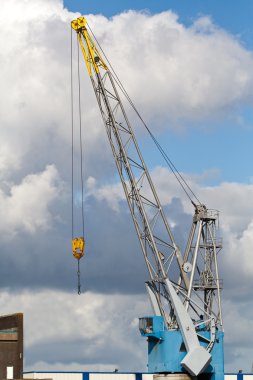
[92, 57]
[78, 247]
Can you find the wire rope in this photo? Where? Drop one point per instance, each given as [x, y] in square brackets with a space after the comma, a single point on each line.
[72, 136]
[81, 162]
[168, 161]
[80, 135]
[72, 156]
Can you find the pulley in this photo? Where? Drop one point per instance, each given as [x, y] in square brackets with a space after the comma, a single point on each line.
[78, 247]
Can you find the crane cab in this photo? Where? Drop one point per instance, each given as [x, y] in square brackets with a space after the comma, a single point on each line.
[152, 326]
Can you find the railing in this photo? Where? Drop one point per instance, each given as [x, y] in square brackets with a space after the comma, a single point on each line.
[212, 214]
[210, 283]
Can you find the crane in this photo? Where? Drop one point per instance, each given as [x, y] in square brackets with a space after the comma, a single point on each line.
[185, 332]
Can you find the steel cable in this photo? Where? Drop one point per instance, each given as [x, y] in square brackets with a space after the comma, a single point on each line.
[80, 137]
[72, 137]
[168, 161]
[72, 154]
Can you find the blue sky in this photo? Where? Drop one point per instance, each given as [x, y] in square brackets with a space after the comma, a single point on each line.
[235, 16]
[199, 108]
[229, 141]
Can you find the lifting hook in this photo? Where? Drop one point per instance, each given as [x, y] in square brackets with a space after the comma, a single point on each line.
[78, 252]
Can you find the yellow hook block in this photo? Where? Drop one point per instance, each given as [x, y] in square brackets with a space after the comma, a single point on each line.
[78, 247]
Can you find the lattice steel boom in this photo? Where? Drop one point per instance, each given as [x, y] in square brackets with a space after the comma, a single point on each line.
[184, 289]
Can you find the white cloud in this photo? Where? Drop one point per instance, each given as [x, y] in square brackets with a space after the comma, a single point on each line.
[172, 72]
[111, 194]
[206, 71]
[26, 205]
[95, 323]
[238, 341]
[8, 160]
[69, 367]
[35, 116]
[103, 323]
[239, 258]
[195, 72]
[236, 224]
[231, 199]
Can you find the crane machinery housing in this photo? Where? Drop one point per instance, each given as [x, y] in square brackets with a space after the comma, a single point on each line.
[185, 332]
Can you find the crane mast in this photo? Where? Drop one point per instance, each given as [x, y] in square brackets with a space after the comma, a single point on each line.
[184, 290]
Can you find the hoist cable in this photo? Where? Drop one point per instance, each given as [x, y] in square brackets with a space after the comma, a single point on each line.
[81, 161]
[172, 167]
[170, 164]
[76, 240]
[72, 136]
[80, 136]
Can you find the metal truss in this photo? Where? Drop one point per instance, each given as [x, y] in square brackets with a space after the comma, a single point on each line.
[194, 275]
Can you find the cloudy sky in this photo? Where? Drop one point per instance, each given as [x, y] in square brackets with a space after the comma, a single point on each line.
[189, 69]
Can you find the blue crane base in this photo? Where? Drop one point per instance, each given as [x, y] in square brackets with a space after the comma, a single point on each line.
[166, 349]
